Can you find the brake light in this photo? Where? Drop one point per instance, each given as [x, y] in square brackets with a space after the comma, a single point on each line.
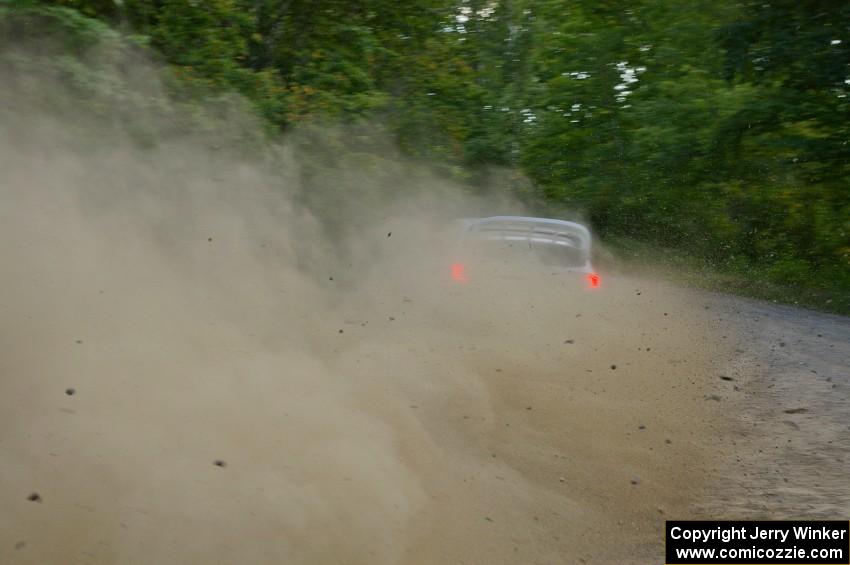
[459, 272]
[593, 279]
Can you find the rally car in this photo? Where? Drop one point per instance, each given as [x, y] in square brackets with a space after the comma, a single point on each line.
[506, 247]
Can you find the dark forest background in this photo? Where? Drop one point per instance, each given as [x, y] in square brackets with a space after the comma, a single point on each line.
[712, 132]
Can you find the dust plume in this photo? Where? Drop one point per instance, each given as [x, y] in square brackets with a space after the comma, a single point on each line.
[207, 358]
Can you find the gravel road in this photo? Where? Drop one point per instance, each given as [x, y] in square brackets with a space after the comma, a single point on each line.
[788, 447]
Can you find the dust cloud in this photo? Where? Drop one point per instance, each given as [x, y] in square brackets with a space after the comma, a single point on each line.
[207, 359]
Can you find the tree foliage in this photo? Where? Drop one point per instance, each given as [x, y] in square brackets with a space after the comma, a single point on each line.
[718, 127]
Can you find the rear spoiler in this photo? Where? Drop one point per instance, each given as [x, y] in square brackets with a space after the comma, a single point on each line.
[521, 228]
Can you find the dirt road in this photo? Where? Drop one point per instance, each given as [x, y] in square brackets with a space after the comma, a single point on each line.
[423, 435]
[789, 448]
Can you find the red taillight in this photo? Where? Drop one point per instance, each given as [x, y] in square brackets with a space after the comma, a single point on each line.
[593, 279]
[459, 272]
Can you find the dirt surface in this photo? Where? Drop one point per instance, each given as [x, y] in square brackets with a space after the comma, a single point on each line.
[403, 435]
[430, 434]
[562, 427]
[788, 451]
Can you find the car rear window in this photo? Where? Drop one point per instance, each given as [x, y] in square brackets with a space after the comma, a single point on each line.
[524, 252]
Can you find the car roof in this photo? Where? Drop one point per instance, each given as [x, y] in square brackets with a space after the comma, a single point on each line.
[526, 228]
